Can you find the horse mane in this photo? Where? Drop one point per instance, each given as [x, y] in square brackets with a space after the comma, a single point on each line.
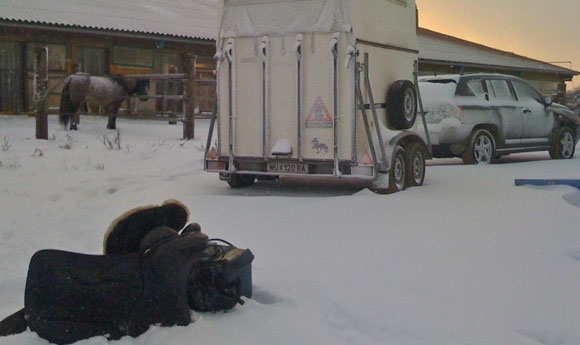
[121, 80]
[131, 86]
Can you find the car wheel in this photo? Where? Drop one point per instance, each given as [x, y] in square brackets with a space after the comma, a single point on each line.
[563, 146]
[401, 105]
[481, 148]
[241, 180]
[415, 165]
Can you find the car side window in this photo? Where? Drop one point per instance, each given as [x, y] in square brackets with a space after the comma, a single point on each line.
[501, 90]
[525, 91]
[471, 88]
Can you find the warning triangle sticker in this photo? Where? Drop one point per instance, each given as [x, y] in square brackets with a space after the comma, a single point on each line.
[319, 117]
[365, 159]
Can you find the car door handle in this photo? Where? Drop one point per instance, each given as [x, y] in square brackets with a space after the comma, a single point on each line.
[527, 111]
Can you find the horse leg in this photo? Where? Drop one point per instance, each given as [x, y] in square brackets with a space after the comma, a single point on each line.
[76, 121]
[114, 109]
[112, 124]
[67, 106]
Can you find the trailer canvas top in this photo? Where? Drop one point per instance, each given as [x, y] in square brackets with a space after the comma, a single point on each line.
[386, 22]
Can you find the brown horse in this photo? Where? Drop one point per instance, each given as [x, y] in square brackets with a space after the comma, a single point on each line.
[109, 92]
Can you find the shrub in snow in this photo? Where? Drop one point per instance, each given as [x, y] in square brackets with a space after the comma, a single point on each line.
[6, 143]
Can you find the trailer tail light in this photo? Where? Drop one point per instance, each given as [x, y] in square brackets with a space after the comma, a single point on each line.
[212, 162]
[216, 165]
[365, 166]
[212, 153]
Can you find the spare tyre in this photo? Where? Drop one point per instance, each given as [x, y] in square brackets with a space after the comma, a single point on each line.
[401, 105]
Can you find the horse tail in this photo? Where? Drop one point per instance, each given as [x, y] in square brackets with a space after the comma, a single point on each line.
[66, 109]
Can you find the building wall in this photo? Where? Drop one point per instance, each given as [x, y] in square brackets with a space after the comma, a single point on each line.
[97, 54]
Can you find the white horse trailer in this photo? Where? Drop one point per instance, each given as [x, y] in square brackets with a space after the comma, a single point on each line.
[317, 88]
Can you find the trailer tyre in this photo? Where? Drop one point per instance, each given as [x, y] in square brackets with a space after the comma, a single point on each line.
[401, 105]
[398, 172]
[241, 180]
[415, 165]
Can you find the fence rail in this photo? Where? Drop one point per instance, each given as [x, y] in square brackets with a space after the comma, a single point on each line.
[171, 97]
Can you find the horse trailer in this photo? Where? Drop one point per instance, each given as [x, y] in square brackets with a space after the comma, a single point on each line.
[318, 88]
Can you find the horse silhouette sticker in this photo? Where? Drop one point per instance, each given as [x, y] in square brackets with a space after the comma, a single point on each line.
[318, 146]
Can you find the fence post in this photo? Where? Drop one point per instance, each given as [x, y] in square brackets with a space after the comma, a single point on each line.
[188, 116]
[41, 113]
[41, 91]
[41, 124]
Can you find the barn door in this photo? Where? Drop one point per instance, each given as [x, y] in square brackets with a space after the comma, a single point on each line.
[11, 66]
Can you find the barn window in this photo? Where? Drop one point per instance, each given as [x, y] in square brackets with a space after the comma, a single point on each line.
[137, 57]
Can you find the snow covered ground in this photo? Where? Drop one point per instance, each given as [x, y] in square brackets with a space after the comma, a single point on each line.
[466, 259]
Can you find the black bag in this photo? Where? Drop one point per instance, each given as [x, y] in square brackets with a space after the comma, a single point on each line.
[219, 279]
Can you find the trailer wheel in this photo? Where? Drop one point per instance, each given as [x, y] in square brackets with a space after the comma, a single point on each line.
[401, 105]
[241, 180]
[415, 165]
[397, 173]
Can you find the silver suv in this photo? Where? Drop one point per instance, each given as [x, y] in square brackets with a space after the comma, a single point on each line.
[478, 117]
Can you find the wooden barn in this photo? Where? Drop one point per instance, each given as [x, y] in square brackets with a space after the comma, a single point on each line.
[45, 40]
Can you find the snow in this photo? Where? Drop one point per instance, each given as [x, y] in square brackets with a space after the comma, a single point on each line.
[468, 258]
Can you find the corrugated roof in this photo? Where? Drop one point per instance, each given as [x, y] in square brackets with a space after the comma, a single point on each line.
[439, 48]
[196, 19]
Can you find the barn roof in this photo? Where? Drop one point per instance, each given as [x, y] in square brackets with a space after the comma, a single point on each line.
[437, 48]
[190, 19]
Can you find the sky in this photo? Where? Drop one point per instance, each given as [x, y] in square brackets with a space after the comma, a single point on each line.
[539, 29]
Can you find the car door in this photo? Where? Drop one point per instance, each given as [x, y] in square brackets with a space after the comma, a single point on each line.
[504, 102]
[537, 123]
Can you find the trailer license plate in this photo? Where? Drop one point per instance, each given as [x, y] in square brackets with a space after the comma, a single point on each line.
[292, 168]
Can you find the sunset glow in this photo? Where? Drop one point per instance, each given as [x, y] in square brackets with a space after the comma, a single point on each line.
[542, 30]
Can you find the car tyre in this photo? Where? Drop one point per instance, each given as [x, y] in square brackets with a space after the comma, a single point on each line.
[481, 148]
[401, 105]
[241, 180]
[415, 165]
[563, 146]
